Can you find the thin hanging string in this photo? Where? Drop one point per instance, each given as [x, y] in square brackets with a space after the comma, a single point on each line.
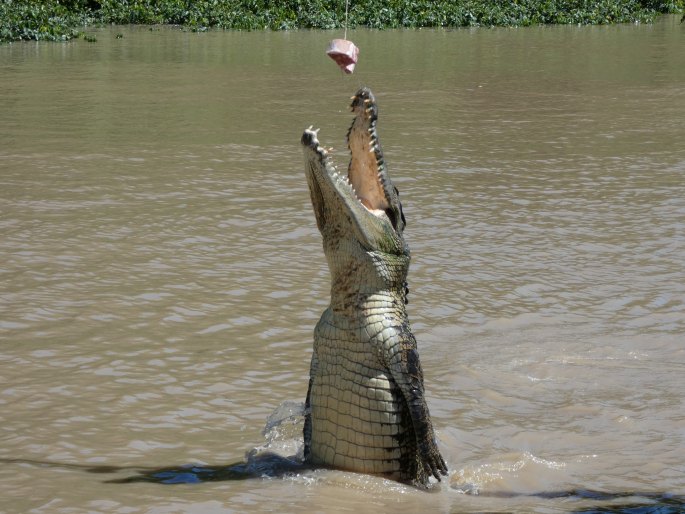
[347, 3]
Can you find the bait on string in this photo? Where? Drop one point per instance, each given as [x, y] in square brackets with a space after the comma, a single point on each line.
[342, 51]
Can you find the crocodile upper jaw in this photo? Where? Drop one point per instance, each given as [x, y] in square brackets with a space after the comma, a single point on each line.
[365, 201]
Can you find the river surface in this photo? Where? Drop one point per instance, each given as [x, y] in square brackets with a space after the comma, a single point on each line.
[161, 271]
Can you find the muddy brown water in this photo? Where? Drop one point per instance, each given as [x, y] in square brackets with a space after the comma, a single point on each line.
[161, 271]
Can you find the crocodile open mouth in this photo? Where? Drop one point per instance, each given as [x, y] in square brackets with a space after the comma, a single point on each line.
[363, 180]
[367, 181]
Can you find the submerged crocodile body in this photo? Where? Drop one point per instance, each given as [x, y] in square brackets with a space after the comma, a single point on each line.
[365, 409]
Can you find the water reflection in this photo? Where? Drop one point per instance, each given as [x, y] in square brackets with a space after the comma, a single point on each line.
[267, 465]
[262, 465]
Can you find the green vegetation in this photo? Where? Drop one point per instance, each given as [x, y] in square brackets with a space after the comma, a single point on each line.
[47, 20]
[58, 20]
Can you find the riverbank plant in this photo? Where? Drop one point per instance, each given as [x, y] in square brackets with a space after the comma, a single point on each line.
[57, 20]
[40, 20]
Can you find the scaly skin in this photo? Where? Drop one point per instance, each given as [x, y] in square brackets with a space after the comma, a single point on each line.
[366, 409]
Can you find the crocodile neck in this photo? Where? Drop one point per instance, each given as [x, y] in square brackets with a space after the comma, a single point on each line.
[368, 283]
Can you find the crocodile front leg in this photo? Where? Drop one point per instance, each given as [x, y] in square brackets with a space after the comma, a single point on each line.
[307, 430]
[402, 359]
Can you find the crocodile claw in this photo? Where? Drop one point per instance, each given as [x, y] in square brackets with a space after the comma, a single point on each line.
[432, 461]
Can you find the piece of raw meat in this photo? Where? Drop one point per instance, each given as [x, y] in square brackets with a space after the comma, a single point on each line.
[344, 53]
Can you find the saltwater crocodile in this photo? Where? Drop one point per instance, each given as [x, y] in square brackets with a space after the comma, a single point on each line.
[365, 409]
